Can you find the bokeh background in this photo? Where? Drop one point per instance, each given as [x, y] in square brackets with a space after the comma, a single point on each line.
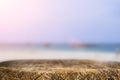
[36, 22]
[88, 21]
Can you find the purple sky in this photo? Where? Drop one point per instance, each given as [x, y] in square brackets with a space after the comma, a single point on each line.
[91, 21]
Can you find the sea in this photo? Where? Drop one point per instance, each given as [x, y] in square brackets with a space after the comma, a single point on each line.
[101, 52]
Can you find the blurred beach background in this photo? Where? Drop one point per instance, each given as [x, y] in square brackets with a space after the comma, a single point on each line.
[60, 29]
[96, 52]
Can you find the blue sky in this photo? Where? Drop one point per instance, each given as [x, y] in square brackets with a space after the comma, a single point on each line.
[88, 21]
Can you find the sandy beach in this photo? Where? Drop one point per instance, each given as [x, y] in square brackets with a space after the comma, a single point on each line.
[6, 55]
[58, 65]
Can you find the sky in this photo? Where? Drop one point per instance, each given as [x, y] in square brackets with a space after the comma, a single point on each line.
[60, 21]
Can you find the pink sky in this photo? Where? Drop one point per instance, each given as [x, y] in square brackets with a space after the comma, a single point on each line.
[59, 20]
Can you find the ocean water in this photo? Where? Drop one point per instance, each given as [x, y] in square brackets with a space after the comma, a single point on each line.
[99, 52]
[97, 48]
